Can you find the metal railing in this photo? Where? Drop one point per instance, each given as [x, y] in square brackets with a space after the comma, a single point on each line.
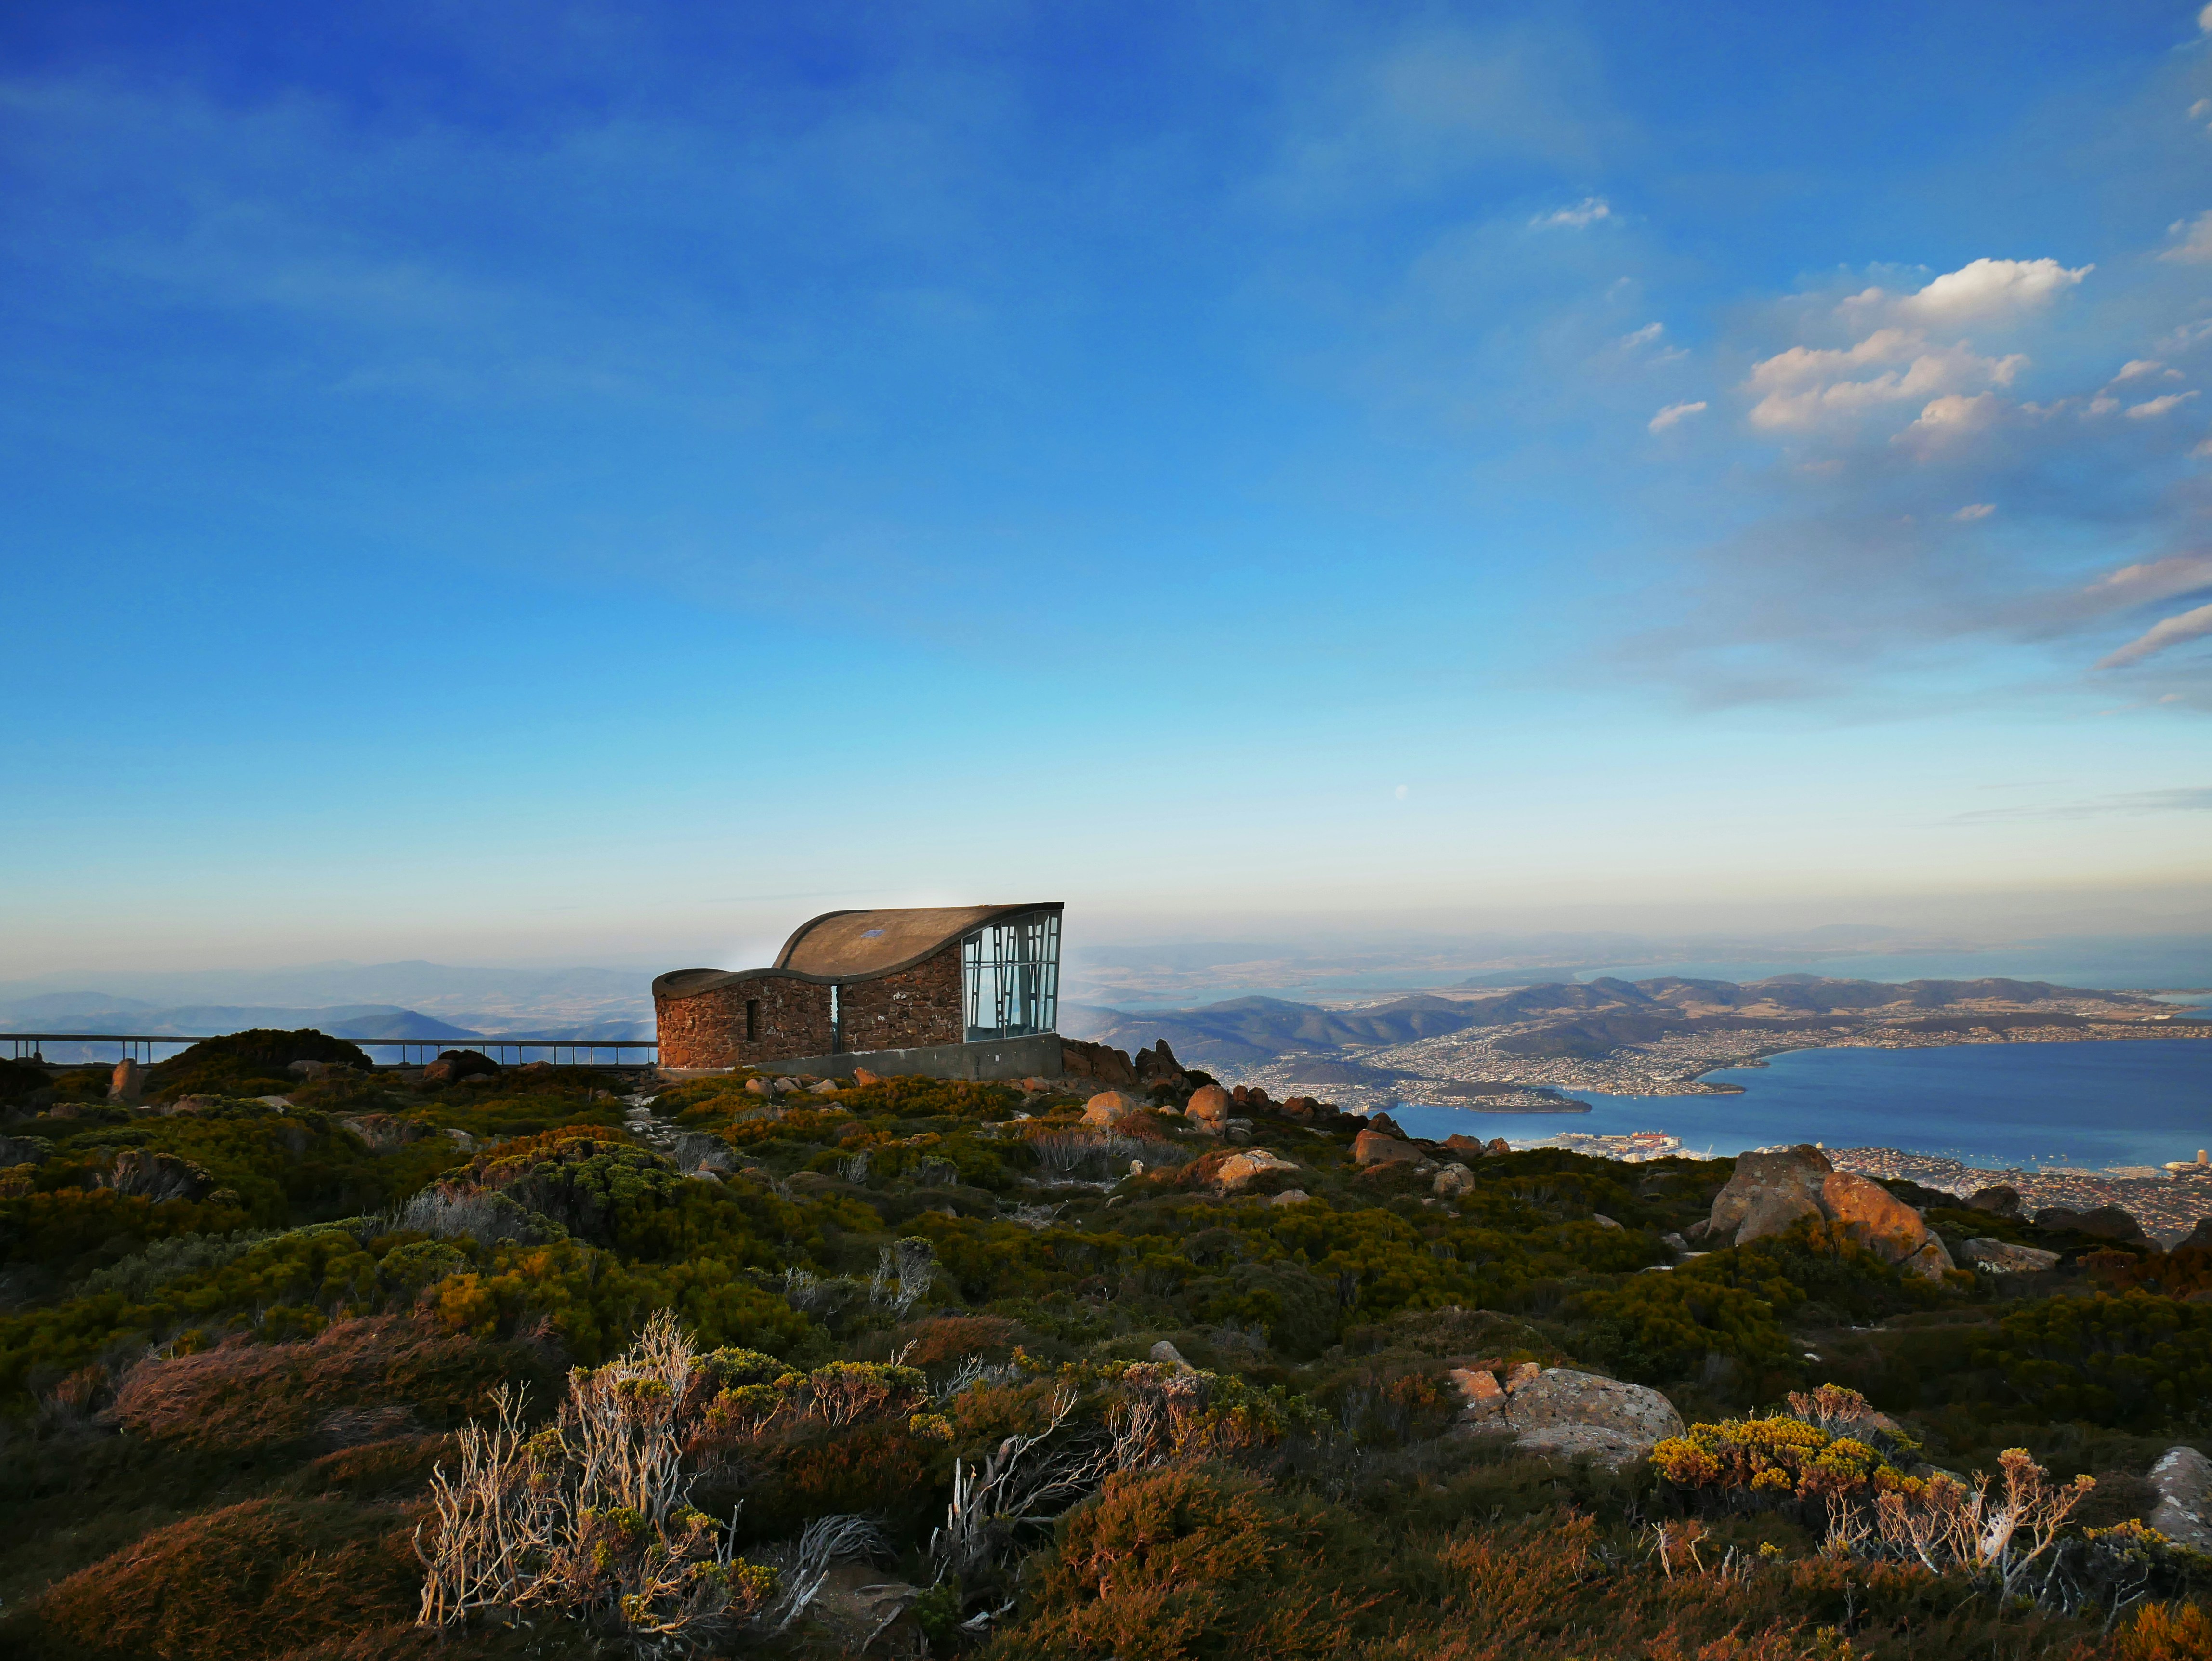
[413, 1052]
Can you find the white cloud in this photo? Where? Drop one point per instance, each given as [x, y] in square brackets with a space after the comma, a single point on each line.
[1675, 412]
[2205, 20]
[1647, 336]
[2100, 404]
[2195, 234]
[1974, 511]
[2203, 452]
[2176, 630]
[1587, 212]
[1946, 416]
[2203, 106]
[1803, 385]
[1979, 289]
[2136, 368]
[2158, 406]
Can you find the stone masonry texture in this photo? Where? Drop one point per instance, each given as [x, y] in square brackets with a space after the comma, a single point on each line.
[916, 1006]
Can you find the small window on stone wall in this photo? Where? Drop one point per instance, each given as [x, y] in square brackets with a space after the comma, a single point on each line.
[752, 1019]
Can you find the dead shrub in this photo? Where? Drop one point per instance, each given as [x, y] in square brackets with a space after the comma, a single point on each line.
[948, 1337]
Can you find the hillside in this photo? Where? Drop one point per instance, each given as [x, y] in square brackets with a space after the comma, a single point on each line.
[1586, 1020]
[911, 1368]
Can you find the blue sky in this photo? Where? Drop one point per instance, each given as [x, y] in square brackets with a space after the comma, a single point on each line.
[580, 483]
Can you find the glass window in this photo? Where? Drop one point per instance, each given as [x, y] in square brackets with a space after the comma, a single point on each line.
[1011, 970]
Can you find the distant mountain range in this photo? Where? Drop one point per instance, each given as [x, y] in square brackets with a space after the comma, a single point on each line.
[99, 1012]
[1579, 1018]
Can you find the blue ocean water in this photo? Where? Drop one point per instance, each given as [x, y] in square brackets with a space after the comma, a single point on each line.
[2027, 1106]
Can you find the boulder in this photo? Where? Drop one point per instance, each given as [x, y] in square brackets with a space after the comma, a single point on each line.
[127, 1083]
[1373, 1148]
[466, 1064]
[863, 1077]
[157, 1176]
[825, 1088]
[536, 1069]
[439, 1073]
[1168, 1355]
[1768, 1192]
[2002, 1200]
[2001, 1257]
[2105, 1222]
[383, 1133]
[1480, 1388]
[1558, 1411]
[1289, 1196]
[1386, 1124]
[1451, 1182]
[1209, 1106]
[1467, 1147]
[1298, 1107]
[1235, 1172]
[1158, 1064]
[1879, 1220]
[1498, 1144]
[1099, 1062]
[1109, 1107]
[2183, 1477]
[24, 1150]
[305, 1070]
[760, 1087]
[2199, 1235]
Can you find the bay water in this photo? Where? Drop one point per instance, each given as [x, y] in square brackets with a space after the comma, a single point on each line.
[2089, 1105]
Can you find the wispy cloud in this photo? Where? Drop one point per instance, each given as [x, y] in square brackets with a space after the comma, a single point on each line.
[2176, 630]
[1675, 412]
[2158, 406]
[2196, 798]
[1587, 212]
[1974, 511]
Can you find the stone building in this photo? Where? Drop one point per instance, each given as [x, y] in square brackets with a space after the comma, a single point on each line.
[960, 991]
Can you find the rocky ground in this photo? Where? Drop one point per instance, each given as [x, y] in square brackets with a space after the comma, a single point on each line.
[1135, 1365]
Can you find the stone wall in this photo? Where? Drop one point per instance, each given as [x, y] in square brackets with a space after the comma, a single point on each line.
[918, 1005]
[708, 1029]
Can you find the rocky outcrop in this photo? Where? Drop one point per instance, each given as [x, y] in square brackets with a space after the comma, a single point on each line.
[2002, 1200]
[1098, 1061]
[1158, 1066]
[1109, 1107]
[382, 1133]
[1235, 1174]
[157, 1176]
[2105, 1222]
[1373, 1148]
[2001, 1257]
[1467, 1147]
[2183, 1477]
[1289, 1196]
[1770, 1191]
[1451, 1182]
[1210, 1108]
[2199, 1235]
[24, 1150]
[454, 1065]
[127, 1083]
[1881, 1221]
[1558, 1411]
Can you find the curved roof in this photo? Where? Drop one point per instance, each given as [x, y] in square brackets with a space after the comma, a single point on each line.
[857, 946]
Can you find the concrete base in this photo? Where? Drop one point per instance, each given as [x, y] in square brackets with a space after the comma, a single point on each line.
[994, 1059]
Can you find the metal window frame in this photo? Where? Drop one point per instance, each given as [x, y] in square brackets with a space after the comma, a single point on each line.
[1009, 977]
